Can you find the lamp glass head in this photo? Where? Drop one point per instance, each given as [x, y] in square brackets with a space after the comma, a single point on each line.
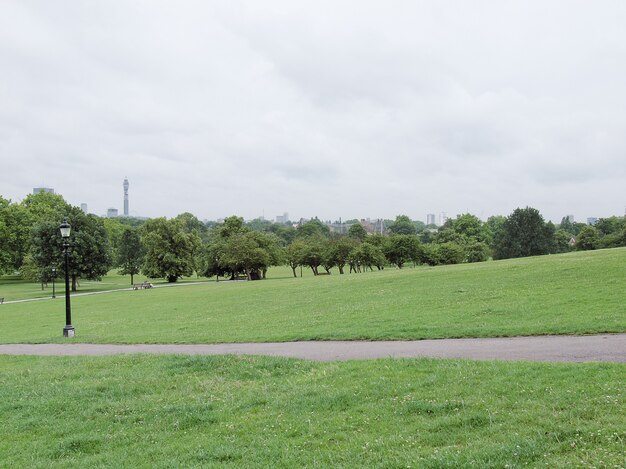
[65, 229]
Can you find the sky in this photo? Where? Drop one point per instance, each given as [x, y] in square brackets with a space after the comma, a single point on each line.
[351, 109]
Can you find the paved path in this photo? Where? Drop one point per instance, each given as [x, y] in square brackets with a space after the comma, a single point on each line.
[605, 348]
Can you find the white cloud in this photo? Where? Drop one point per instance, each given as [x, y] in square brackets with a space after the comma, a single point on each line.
[348, 109]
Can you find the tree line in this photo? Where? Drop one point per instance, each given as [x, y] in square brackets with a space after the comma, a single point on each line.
[31, 246]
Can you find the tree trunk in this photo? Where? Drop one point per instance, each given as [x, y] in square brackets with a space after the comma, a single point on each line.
[73, 282]
[294, 272]
[131, 279]
[340, 269]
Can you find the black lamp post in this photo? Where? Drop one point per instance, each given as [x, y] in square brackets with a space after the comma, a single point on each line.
[68, 330]
[54, 276]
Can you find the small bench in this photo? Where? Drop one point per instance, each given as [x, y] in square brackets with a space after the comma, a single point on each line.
[142, 286]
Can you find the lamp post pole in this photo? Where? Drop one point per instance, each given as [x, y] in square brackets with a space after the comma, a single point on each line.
[54, 276]
[68, 330]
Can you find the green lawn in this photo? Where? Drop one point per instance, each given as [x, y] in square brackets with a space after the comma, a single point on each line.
[13, 287]
[577, 293]
[175, 411]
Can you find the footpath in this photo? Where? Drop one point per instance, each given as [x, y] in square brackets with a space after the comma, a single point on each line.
[591, 348]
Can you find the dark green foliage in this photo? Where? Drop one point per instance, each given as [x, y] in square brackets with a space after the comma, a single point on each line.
[295, 254]
[191, 224]
[366, 256]
[251, 252]
[259, 224]
[476, 251]
[314, 252]
[524, 233]
[313, 228]
[356, 231]
[285, 233]
[567, 225]
[443, 254]
[89, 251]
[169, 248]
[130, 254]
[15, 235]
[402, 225]
[234, 249]
[561, 242]
[402, 248]
[610, 225]
[588, 239]
[339, 250]
[614, 240]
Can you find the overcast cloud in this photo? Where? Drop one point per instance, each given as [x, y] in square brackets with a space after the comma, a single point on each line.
[334, 109]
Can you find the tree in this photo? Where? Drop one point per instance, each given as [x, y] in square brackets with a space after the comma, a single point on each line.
[610, 225]
[476, 251]
[6, 238]
[17, 222]
[313, 228]
[191, 224]
[233, 249]
[367, 255]
[447, 253]
[339, 251]
[130, 253]
[250, 252]
[169, 249]
[493, 230]
[114, 230]
[402, 248]
[524, 233]
[314, 252]
[402, 225]
[614, 240]
[356, 231]
[295, 254]
[89, 247]
[587, 239]
[562, 241]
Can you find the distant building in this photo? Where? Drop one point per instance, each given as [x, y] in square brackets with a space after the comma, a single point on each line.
[430, 219]
[111, 213]
[592, 221]
[373, 226]
[125, 197]
[570, 218]
[83, 207]
[338, 227]
[284, 218]
[443, 218]
[37, 190]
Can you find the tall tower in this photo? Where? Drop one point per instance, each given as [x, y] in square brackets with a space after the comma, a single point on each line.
[125, 197]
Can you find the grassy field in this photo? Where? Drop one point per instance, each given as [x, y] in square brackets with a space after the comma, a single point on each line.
[13, 287]
[577, 293]
[173, 411]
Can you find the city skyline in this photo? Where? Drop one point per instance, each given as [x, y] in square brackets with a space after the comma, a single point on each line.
[429, 218]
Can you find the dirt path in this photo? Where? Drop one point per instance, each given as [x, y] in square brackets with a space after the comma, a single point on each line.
[603, 348]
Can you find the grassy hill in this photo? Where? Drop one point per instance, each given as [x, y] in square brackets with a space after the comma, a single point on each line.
[576, 293]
